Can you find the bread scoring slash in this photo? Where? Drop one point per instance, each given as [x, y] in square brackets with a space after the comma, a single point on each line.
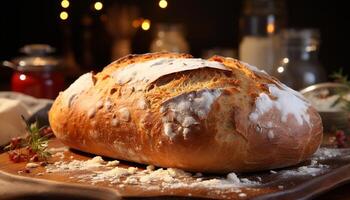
[172, 110]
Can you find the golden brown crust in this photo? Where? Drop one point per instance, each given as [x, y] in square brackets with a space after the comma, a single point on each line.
[119, 121]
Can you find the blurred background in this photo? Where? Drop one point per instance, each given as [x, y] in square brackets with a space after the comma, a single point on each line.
[300, 42]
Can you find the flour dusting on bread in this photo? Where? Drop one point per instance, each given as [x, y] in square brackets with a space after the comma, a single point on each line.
[286, 102]
[83, 83]
[124, 114]
[151, 70]
[184, 111]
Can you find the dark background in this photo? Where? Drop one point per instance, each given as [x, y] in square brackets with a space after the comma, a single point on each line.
[208, 24]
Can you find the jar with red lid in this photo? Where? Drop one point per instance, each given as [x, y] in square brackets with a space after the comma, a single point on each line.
[37, 73]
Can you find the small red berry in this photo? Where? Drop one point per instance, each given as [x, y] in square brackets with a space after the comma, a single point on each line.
[30, 151]
[14, 156]
[15, 142]
[340, 138]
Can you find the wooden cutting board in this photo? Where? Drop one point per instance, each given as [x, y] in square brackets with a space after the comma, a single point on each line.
[330, 168]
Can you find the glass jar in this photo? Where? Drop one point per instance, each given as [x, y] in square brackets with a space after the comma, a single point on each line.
[260, 24]
[300, 67]
[169, 37]
[37, 74]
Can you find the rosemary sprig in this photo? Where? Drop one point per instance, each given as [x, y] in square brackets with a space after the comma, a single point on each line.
[35, 143]
[340, 77]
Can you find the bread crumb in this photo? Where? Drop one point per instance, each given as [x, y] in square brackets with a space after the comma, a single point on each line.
[60, 149]
[112, 163]
[242, 195]
[32, 165]
[233, 177]
[132, 170]
[150, 168]
[59, 154]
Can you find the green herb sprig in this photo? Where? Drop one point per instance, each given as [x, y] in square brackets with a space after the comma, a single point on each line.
[340, 77]
[33, 147]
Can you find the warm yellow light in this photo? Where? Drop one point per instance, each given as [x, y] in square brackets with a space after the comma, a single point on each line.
[98, 5]
[286, 60]
[146, 25]
[280, 69]
[270, 28]
[163, 3]
[65, 3]
[64, 15]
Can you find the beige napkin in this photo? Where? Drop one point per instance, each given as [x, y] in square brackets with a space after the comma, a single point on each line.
[12, 106]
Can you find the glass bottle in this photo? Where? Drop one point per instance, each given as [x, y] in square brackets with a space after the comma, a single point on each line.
[260, 24]
[300, 67]
[169, 37]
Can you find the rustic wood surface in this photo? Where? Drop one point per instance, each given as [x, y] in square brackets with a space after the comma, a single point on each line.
[39, 183]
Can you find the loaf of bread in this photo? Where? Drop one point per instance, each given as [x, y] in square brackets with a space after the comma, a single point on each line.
[171, 110]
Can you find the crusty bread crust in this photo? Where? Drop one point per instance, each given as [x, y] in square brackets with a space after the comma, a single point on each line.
[217, 133]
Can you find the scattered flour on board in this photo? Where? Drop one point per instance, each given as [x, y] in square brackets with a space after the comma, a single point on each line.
[97, 170]
[306, 170]
[326, 153]
[77, 165]
[315, 168]
[169, 178]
